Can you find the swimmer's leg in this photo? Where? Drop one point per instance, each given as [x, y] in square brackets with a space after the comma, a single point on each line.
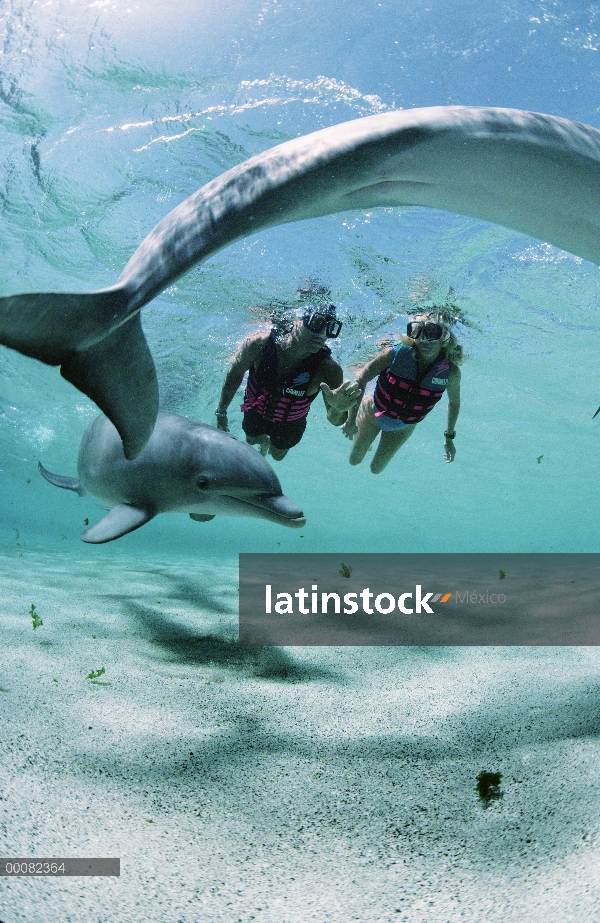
[388, 446]
[278, 454]
[368, 430]
[254, 429]
[284, 436]
[262, 443]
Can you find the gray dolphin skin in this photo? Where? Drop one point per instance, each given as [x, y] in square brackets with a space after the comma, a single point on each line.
[534, 173]
[186, 467]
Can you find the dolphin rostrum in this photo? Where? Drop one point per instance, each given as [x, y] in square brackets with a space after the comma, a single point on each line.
[185, 467]
[534, 173]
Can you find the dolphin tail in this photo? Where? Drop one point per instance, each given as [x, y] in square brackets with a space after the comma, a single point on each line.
[100, 347]
[59, 481]
[118, 374]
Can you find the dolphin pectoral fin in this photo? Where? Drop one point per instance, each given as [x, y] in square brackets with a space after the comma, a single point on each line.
[59, 481]
[118, 374]
[199, 517]
[122, 519]
[596, 414]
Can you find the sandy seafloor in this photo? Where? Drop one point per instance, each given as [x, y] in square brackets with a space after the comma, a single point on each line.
[269, 784]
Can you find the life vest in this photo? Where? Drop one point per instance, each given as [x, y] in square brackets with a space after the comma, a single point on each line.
[401, 395]
[281, 399]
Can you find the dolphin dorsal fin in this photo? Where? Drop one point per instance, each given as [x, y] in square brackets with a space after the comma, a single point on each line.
[122, 519]
[200, 517]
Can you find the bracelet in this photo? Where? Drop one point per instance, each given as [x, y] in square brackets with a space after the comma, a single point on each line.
[220, 413]
[449, 435]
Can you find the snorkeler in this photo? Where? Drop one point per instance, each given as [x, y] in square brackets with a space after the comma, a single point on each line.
[287, 368]
[412, 378]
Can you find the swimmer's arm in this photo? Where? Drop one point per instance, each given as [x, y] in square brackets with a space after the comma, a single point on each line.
[246, 356]
[453, 391]
[364, 375]
[374, 368]
[334, 388]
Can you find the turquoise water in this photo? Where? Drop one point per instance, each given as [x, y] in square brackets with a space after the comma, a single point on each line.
[110, 116]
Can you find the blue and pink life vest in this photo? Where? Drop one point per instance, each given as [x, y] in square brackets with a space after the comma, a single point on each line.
[401, 395]
[281, 400]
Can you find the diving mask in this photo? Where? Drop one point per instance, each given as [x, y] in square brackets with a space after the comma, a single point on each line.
[426, 330]
[316, 321]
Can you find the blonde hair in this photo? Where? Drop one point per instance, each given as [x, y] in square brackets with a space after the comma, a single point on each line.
[451, 349]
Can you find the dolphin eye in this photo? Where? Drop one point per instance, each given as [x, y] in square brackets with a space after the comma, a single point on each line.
[203, 483]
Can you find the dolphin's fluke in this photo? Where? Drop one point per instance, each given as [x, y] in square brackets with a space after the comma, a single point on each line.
[59, 481]
[119, 375]
[115, 370]
[52, 326]
[122, 519]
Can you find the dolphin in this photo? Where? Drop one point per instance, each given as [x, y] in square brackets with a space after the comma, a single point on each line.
[534, 173]
[185, 467]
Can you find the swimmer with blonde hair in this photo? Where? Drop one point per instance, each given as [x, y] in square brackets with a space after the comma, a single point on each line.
[412, 378]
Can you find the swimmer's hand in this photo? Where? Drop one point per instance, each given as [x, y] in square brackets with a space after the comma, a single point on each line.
[449, 450]
[341, 399]
[222, 421]
[349, 429]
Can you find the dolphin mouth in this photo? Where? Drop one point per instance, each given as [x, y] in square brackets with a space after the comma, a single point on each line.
[279, 509]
